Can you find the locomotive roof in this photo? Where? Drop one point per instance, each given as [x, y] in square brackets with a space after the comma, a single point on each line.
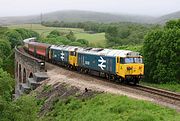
[111, 52]
[98, 51]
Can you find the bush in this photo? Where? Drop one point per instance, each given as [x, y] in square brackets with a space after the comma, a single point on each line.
[83, 42]
[56, 40]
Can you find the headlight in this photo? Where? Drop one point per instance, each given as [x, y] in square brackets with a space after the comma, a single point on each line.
[140, 67]
[129, 68]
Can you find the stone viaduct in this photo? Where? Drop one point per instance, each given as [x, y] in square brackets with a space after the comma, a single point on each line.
[29, 72]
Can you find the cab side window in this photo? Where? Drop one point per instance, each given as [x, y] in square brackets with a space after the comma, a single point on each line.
[72, 53]
[122, 60]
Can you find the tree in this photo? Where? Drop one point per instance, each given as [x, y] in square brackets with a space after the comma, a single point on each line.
[161, 54]
[71, 36]
[173, 24]
[6, 85]
[14, 37]
[5, 48]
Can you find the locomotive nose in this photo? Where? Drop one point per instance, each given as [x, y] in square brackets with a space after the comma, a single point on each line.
[134, 69]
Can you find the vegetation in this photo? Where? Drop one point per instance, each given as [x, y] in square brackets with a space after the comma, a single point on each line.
[137, 48]
[57, 38]
[161, 54]
[101, 107]
[161, 66]
[94, 40]
[106, 107]
[13, 110]
[22, 109]
[9, 39]
[6, 85]
[123, 33]
[126, 34]
[167, 86]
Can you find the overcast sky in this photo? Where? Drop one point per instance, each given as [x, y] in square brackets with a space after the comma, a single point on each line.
[140, 7]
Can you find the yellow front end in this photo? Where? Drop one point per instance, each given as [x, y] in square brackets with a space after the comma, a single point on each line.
[126, 70]
[131, 69]
[73, 58]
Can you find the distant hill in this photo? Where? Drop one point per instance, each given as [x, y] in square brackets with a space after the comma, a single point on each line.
[82, 16]
[163, 19]
[77, 16]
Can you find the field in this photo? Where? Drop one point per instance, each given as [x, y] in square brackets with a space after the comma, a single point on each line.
[97, 39]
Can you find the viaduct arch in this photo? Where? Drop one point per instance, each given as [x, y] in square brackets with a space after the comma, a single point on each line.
[26, 67]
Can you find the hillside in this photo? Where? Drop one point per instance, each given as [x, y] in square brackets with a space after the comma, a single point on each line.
[76, 16]
[83, 16]
[163, 19]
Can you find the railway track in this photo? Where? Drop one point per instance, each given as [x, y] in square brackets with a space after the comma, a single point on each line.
[160, 92]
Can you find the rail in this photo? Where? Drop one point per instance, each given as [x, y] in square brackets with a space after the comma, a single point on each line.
[160, 92]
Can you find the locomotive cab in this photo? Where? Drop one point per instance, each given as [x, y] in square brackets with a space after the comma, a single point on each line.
[130, 68]
[73, 55]
[73, 58]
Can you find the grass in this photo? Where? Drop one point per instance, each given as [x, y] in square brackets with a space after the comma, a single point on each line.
[94, 39]
[45, 30]
[168, 86]
[47, 88]
[108, 107]
[97, 39]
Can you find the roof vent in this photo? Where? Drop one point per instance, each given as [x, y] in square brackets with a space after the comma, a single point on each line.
[88, 48]
[98, 49]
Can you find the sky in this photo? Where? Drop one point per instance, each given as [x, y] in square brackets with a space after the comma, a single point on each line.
[138, 7]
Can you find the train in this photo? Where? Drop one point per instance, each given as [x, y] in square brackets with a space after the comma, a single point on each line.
[117, 65]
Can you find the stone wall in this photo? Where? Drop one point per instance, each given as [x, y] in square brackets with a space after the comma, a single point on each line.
[26, 68]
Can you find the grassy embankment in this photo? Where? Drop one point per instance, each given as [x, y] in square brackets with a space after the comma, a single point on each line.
[66, 103]
[107, 107]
